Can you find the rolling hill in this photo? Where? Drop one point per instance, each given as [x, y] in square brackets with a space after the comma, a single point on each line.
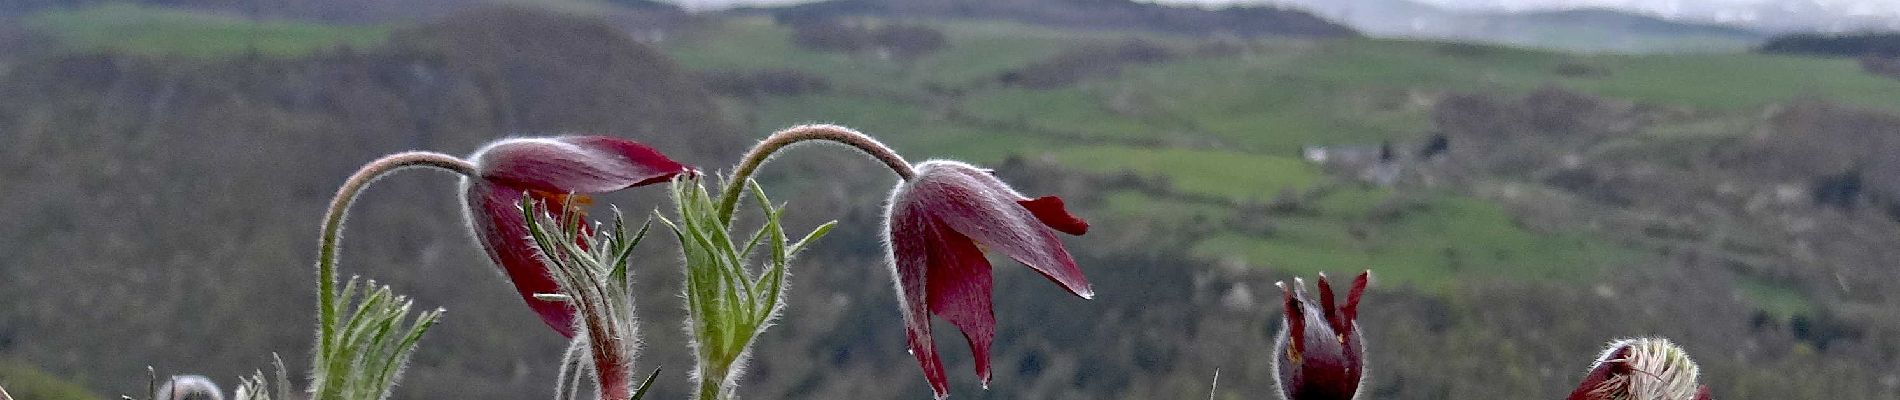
[1582, 197]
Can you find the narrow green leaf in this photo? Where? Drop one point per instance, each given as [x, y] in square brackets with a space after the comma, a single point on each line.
[619, 273]
[816, 233]
[644, 385]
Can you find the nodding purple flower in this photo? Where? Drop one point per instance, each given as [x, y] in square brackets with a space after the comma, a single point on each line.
[1320, 354]
[553, 171]
[1642, 369]
[939, 222]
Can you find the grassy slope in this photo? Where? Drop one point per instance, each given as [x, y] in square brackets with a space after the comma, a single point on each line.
[26, 381]
[1228, 128]
[1224, 128]
[1221, 127]
[161, 31]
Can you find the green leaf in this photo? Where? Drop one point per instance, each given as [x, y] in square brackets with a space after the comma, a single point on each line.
[815, 233]
[644, 385]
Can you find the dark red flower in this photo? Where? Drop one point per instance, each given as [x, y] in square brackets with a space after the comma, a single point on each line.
[554, 171]
[1320, 354]
[936, 221]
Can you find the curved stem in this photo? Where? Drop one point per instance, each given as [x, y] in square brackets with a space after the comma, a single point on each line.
[333, 229]
[735, 185]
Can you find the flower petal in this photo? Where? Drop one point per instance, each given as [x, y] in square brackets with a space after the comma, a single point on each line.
[583, 164]
[909, 244]
[1294, 324]
[504, 235]
[981, 207]
[959, 291]
[1351, 310]
[1327, 309]
[1050, 211]
[548, 169]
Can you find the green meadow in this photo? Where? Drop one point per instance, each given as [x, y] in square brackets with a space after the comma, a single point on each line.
[135, 29]
[1225, 127]
[1229, 125]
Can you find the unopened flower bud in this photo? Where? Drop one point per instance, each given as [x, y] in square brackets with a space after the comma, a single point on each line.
[1320, 354]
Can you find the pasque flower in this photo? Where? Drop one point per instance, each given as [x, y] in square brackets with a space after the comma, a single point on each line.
[556, 170]
[936, 221]
[1642, 369]
[1320, 354]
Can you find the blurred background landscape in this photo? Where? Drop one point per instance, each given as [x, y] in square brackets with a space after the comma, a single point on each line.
[1526, 179]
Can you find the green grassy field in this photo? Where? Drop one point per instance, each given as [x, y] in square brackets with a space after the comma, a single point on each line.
[1442, 239]
[1237, 177]
[1229, 127]
[171, 32]
[1225, 128]
[27, 381]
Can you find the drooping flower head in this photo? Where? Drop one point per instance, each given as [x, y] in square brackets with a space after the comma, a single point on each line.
[1642, 369]
[1320, 354]
[936, 221]
[555, 171]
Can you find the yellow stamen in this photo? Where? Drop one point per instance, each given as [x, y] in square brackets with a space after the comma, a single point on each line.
[574, 202]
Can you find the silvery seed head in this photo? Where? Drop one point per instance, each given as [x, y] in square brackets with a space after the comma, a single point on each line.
[189, 387]
[1642, 369]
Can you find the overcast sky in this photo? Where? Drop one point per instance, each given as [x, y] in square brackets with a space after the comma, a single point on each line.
[1530, 4]
[1650, 5]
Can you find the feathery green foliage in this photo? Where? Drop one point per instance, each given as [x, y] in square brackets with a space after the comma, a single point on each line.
[256, 388]
[728, 306]
[372, 344]
[592, 272]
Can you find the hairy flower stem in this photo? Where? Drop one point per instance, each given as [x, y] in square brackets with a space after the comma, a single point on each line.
[735, 185]
[333, 228]
[713, 387]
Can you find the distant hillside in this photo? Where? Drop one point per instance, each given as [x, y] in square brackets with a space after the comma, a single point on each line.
[1599, 29]
[148, 30]
[163, 208]
[1885, 44]
[1589, 29]
[1089, 14]
[1583, 197]
[351, 11]
[1609, 19]
[177, 197]
[317, 10]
